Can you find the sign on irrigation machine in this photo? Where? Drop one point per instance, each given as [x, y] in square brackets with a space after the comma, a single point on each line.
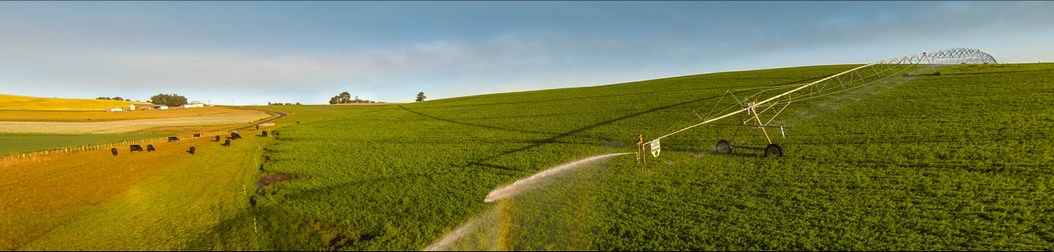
[752, 113]
[655, 148]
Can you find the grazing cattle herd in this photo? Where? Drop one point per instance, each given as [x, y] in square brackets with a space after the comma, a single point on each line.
[150, 147]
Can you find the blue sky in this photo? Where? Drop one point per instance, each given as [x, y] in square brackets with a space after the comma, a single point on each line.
[259, 52]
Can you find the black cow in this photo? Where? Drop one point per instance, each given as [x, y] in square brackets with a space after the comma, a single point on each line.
[217, 139]
[171, 139]
[257, 126]
[264, 133]
[114, 151]
[297, 122]
[149, 147]
[235, 135]
[136, 147]
[197, 134]
[227, 143]
[191, 151]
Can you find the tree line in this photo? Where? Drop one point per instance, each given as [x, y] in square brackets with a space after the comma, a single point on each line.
[171, 100]
[113, 99]
[345, 98]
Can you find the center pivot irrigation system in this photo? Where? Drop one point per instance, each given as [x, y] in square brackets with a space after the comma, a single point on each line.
[752, 112]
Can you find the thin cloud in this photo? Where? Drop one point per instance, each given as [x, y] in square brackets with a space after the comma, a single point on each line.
[591, 44]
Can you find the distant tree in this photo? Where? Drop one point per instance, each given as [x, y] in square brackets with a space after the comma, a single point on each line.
[334, 100]
[345, 97]
[297, 103]
[103, 98]
[171, 100]
[118, 98]
[421, 97]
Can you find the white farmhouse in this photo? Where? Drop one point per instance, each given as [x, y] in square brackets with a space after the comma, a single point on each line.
[194, 104]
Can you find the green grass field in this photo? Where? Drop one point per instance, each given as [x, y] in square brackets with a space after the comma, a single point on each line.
[19, 143]
[308, 113]
[960, 161]
[162, 200]
[953, 162]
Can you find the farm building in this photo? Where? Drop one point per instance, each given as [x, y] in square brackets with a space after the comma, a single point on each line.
[148, 106]
[115, 110]
[194, 104]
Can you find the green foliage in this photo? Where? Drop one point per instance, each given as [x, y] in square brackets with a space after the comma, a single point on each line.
[952, 162]
[171, 100]
[18, 143]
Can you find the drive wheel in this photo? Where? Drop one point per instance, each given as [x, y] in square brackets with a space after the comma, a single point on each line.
[774, 150]
[724, 147]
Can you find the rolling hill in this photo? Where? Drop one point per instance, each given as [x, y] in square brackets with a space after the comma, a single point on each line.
[957, 161]
[14, 102]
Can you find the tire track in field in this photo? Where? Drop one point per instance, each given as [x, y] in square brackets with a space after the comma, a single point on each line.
[280, 116]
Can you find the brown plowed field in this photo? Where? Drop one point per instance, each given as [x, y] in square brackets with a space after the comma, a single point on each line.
[110, 127]
[97, 116]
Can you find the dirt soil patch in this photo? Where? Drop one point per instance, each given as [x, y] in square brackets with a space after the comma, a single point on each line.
[271, 179]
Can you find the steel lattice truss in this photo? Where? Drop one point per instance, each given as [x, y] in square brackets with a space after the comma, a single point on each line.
[761, 113]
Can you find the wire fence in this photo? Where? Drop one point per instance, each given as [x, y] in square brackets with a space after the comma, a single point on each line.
[8, 159]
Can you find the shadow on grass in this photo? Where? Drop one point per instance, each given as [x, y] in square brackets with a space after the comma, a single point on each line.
[270, 228]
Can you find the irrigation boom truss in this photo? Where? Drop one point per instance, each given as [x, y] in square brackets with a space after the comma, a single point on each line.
[906, 66]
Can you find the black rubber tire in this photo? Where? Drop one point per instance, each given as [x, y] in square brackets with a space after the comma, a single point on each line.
[723, 147]
[774, 150]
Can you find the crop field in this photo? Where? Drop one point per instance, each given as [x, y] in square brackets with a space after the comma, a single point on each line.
[123, 126]
[162, 200]
[98, 116]
[14, 102]
[960, 161]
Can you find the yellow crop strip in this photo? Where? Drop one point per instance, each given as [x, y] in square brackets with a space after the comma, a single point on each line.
[14, 102]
